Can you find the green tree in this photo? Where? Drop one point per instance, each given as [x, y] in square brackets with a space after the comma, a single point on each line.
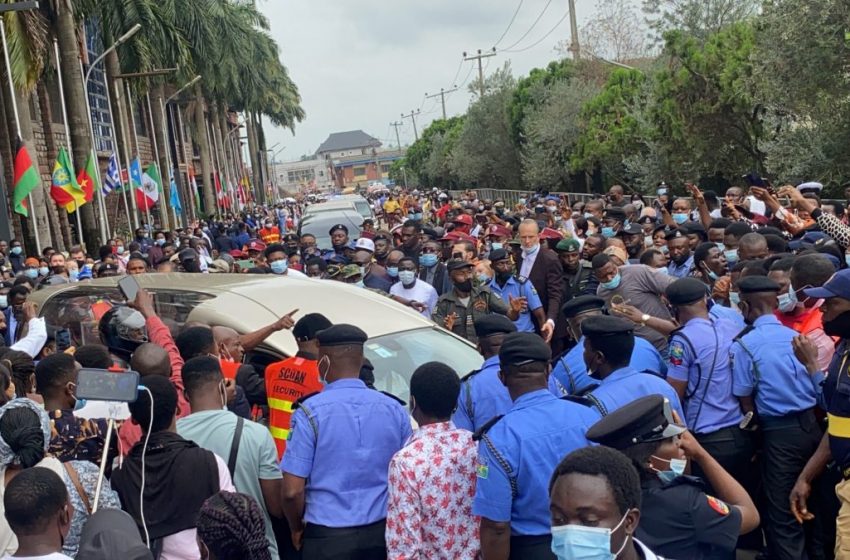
[428, 158]
[531, 91]
[698, 18]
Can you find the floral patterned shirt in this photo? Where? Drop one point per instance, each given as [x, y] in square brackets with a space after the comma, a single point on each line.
[431, 487]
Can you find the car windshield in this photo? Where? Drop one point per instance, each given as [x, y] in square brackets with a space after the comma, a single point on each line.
[395, 357]
[363, 208]
[319, 225]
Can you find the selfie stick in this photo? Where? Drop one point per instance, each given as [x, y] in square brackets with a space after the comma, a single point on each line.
[103, 458]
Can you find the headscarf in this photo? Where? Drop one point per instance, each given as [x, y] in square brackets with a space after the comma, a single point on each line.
[7, 456]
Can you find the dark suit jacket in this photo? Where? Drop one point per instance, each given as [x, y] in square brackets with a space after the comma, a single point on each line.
[547, 278]
[442, 283]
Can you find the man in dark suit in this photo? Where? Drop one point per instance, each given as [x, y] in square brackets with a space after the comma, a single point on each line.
[542, 267]
[431, 270]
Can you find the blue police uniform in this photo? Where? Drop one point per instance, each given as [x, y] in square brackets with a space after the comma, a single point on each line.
[517, 456]
[680, 271]
[763, 363]
[516, 288]
[717, 311]
[569, 374]
[482, 397]
[625, 385]
[341, 440]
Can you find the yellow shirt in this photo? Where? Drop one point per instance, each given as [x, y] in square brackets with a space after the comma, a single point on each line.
[390, 206]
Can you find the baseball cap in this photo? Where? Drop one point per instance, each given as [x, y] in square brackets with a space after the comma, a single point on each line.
[837, 286]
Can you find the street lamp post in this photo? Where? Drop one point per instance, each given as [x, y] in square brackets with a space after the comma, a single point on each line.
[101, 202]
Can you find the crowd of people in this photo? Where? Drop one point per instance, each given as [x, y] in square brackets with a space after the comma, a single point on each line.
[664, 379]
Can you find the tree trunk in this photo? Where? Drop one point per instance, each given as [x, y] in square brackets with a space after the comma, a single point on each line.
[77, 106]
[215, 132]
[253, 147]
[159, 133]
[204, 147]
[38, 206]
[58, 216]
[122, 132]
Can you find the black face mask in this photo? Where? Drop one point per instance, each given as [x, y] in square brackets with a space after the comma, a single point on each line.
[465, 286]
[503, 277]
[840, 326]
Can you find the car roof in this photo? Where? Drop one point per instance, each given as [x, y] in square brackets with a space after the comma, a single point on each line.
[323, 207]
[248, 302]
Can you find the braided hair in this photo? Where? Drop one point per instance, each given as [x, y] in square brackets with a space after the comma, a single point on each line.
[232, 527]
[23, 370]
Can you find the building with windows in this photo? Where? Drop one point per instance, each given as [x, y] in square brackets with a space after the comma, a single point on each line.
[355, 158]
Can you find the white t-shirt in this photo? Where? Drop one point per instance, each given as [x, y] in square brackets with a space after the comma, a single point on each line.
[422, 292]
[184, 545]
[51, 556]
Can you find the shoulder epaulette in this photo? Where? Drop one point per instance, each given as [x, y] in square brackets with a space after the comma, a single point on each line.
[521, 279]
[469, 375]
[578, 399]
[476, 436]
[301, 400]
[744, 332]
[393, 397]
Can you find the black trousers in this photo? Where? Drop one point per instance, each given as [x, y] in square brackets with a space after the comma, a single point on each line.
[734, 449]
[789, 441]
[347, 543]
[537, 547]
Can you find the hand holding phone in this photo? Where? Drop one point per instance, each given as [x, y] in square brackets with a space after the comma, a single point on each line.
[104, 385]
[129, 287]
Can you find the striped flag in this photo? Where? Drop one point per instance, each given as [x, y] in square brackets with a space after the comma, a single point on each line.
[175, 197]
[112, 181]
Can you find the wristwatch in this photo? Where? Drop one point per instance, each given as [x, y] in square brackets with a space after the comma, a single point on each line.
[644, 318]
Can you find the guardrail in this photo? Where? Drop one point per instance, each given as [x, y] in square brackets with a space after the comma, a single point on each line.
[512, 197]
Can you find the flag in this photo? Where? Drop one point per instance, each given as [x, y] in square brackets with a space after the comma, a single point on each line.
[148, 194]
[64, 188]
[194, 185]
[87, 179]
[221, 192]
[175, 197]
[136, 174]
[113, 177]
[26, 179]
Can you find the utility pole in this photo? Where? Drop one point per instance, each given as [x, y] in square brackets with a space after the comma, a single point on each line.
[574, 47]
[395, 125]
[479, 57]
[412, 117]
[442, 96]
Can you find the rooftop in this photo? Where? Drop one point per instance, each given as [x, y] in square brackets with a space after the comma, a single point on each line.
[340, 141]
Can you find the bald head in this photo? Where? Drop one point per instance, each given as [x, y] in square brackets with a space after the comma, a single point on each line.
[752, 246]
[529, 234]
[228, 343]
[151, 359]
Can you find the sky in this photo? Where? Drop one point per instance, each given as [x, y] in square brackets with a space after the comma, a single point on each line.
[360, 64]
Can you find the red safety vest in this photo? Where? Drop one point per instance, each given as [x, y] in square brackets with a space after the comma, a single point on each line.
[286, 382]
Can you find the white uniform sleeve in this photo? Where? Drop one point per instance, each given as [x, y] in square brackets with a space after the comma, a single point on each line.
[35, 339]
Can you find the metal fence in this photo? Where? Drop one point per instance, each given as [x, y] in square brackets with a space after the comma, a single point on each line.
[512, 197]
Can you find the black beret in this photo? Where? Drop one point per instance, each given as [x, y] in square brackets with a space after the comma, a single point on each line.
[615, 213]
[336, 227]
[457, 264]
[604, 325]
[523, 347]
[498, 255]
[431, 232]
[675, 234]
[646, 220]
[644, 420]
[493, 323]
[341, 335]
[685, 290]
[291, 237]
[309, 325]
[754, 284]
[582, 304]
[692, 227]
[631, 229]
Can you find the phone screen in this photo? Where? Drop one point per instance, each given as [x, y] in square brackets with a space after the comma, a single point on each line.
[105, 385]
[244, 264]
[129, 287]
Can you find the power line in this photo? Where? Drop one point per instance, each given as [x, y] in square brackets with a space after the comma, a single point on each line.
[540, 40]
[533, 25]
[496, 44]
[459, 66]
[468, 74]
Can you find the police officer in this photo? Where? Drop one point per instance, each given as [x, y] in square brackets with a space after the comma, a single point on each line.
[339, 240]
[482, 394]
[608, 346]
[510, 288]
[519, 452]
[578, 274]
[772, 384]
[337, 458]
[681, 259]
[457, 310]
[698, 368]
[569, 374]
[677, 518]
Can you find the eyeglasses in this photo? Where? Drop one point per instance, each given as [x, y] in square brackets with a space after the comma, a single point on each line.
[430, 250]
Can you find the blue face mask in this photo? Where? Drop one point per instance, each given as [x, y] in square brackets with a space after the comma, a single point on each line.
[407, 277]
[417, 217]
[731, 256]
[734, 297]
[31, 273]
[496, 246]
[522, 201]
[680, 218]
[721, 246]
[392, 271]
[279, 267]
[713, 275]
[664, 249]
[787, 301]
[613, 283]
[608, 232]
[483, 279]
[43, 271]
[74, 275]
[428, 260]
[531, 251]
[78, 403]
[577, 542]
[677, 469]
[16, 250]
[160, 242]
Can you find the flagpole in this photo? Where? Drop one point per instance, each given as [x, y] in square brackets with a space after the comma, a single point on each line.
[163, 208]
[132, 120]
[67, 135]
[193, 192]
[101, 203]
[181, 154]
[219, 205]
[132, 218]
[18, 127]
[167, 148]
